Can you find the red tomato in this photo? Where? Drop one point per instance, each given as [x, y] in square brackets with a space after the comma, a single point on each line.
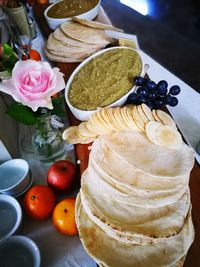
[39, 202]
[33, 54]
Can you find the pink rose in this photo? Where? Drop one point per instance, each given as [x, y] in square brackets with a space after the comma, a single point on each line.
[33, 83]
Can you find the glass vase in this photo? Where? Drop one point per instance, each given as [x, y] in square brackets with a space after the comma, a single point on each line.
[47, 141]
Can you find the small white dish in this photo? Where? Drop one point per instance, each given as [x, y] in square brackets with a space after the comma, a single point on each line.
[11, 216]
[19, 251]
[25, 189]
[53, 23]
[84, 115]
[14, 176]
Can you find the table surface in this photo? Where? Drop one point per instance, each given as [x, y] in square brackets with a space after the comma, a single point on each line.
[193, 257]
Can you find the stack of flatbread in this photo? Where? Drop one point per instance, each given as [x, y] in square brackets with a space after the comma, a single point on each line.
[134, 205]
[75, 40]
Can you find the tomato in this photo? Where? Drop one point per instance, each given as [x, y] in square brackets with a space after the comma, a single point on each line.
[39, 202]
[33, 54]
[64, 217]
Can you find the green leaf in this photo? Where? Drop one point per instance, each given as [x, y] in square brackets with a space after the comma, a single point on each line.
[57, 100]
[7, 50]
[57, 106]
[58, 110]
[22, 114]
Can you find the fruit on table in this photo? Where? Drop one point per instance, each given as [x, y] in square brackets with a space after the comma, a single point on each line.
[156, 96]
[33, 54]
[62, 175]
[39, 202]
[63, 217]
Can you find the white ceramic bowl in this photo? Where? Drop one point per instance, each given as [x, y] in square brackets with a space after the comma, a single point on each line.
[19, 251]
[14, 176]
[53, 23]
[83, 115]
[10, 216]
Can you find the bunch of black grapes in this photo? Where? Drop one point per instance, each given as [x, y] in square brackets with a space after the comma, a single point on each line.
[155, 96]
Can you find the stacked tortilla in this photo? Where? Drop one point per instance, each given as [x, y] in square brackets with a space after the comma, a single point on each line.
[134, 204]
[75, 40]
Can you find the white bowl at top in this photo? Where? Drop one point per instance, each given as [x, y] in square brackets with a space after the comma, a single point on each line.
[14, 176]
[19, 251]
[84, 115]
[10, 216]
[53, 23]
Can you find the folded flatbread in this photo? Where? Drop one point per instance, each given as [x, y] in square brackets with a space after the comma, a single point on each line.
[85, 34]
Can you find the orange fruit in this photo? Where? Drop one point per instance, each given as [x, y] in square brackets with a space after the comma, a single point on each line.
[64, 217]
[39, 202]
[33, 54]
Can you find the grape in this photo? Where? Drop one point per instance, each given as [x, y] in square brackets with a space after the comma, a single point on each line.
[174, 90]
[149, 104]
[142, 91]
[173, 101]
[151, 84]
[132, 98]
[162, 87]
[142, 99]
[158, 103]
[139, 80]
[152, 95]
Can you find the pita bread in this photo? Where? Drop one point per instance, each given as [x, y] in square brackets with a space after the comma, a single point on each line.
[135, 200]
[127, 216]
[53, 44]
[160, 254]
[171, 162]
[119, 172]
[59, 35]
[96, 24]
[85, 34]
[56, 58]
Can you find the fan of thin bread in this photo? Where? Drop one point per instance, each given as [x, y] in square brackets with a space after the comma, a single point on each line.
[105, 159]
[59, 49]
[98, 243]
[171, 163]
[126, 216]
[85, 34]
[96, 24]
[59, 35]
[62, 59]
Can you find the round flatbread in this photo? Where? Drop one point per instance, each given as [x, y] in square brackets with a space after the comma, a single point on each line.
[59, 35]
[96, 24]
[85, 34]
[160, 254]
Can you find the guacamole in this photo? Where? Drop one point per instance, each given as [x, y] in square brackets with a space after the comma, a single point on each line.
[70, 8]
[105, 79]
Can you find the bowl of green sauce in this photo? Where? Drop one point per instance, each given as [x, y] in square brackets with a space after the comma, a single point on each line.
[62, 11]
[104, 79]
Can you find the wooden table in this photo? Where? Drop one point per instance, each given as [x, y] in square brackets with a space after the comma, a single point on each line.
[82, 152]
